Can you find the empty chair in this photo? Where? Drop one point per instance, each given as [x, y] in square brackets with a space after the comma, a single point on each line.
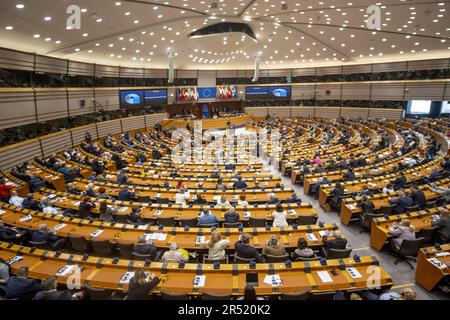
[387, 210]
[271, 258]
[101, 247]
[206, 259]
[338, 253]
[78, 243]
[215, 296]
[441, 202]
[121, 218]
[167, 222]
[96, 293]
[305, 295]
[38, 245]
[366, 223]
[145, 199]
[256, 223]
[125, 249]
[306, 220]
[189, 222]
[428, 235]
[174, 296]
[162, 201]
[407, 252]
[430, 204]
[322, 295]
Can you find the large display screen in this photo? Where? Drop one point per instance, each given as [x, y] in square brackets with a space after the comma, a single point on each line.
[445, 107]
[207, 93]
[275, 92]
[155, 96]
[131, 98]
[419, 106]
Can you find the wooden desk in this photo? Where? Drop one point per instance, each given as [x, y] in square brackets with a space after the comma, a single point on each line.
[428, 274]
[55, 178]
[229, 279]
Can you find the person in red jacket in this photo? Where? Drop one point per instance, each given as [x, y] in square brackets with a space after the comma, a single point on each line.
[5, 190]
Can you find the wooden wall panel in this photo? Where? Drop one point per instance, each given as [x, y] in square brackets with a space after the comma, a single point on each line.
[51, 104]
[16, 107]
[55, 142]
[19, 153]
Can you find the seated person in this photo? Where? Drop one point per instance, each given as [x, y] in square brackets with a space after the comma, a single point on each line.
[199, 199]
[207, 218]
[405, 294]
[366, 206]
[388, 189]
[181, 197]
[338, 242]
[30, 203]
[135, 216]
[302, 250]
[400, 182]
[48, 208]
[443, 224]
[126, 194]
[21, 287]
[43, 235]
[245, 250]
[223, 201]
[216, 246]
[294, 198]
[273, 247]
[231, 216]
[85, 208]
[144, 247]
[139, 288]
[401, 202]
[107, 213]
[70, 188]
[273, 199]
[5, 190]
[279, 217]
[418, 197]
[335, 195]
[90, 191]
[349, 175]
[102, 194]
[35, 182]
[365, 191]
[174, 255]
[242, 202]
[11, 234]
[404, 231]
[15, 200]
[240, 184]
[50, 292]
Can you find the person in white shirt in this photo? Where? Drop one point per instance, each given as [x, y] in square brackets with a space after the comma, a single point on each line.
[388, 188]
[223, 201]
[181, 197]
[174, 255]
[15, 200]
[216, 246]
[279, 217]
[242, 202]
[48, 207]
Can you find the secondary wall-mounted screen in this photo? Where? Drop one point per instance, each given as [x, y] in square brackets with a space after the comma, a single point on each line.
[131, 98]
[155, 96]
[445, 107]
[419, 107]
[280, 92]
[252, 93]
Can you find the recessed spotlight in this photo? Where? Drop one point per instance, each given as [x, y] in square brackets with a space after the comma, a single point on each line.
[85, 34]
[9, 27]
[36, 36]
[20, 6]
[77, 49]
[99, 20]
[118, 3]
[47, 18]
[58, 42]
[84, 10]
[48, 39]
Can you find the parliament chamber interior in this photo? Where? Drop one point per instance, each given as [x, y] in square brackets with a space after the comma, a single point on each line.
[224, 150]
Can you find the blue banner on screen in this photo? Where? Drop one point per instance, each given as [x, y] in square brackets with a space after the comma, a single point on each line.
[155, 96]
[207, 93]
[281, 92]
[131, 98]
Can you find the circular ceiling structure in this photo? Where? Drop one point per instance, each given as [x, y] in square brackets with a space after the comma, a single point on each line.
[228, 34]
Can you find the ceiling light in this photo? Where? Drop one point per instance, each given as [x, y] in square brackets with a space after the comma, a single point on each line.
[48, 18]
[20, 6]
[118, 3]
[36, 36]
[77, 49]
[9, 27]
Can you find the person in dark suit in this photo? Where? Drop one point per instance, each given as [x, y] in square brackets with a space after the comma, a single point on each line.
[35, 182]
[135, 217]
[273, 199]
[8, 234]
[245, 250]
[42, 235]
[240, 184]
[401, 202]
[335, 194]
[399, 182]
[231, 216]
[50, 292]
[126, 194]
[139, 288]
[84, 210]
[90, 191]
[349, 175]
[20, 287]
[144, 247]
[30, 203]
[338, 242]
[418, 197]
[443, 225]
[294, 198]
[122, 178]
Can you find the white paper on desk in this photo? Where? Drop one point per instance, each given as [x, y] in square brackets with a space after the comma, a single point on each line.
[324, 276]
[96, 233]
[122, 209]
[235, 197]
[311, 236]
[442, 254]
[130, 274]
[199, 281]
[49, 176]
[158, 213]
[10, 183]
[58, 227]
[152, 236]
[76, 203]
[66, 270]
[350, 206]
[273, 280]
[230, 184]
[51, 196]
[14, 260]
[292, 212]
[199, 239]
[109, 176]
[162, 236]
[2, 212]
[437, 263]
[324, 233]
[247, 214]
[354, 273]
[157, 195]
[371, 184]
[26, 218]
[265, 183]
[216, 198]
